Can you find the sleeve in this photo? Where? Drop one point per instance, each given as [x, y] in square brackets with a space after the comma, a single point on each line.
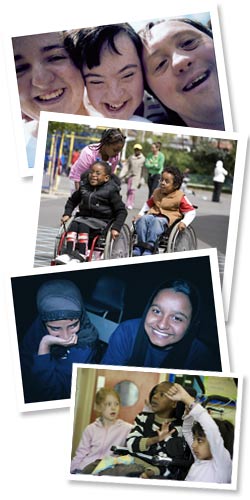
[148, 204]
[79, 460]
[136, 440]
[83, 163]
[72, 202]
[188, 211]
[199, 414]
[121, 344]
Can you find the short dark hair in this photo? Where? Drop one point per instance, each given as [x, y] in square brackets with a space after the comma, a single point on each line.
[226, 429]
[178, 177]
[84, 45]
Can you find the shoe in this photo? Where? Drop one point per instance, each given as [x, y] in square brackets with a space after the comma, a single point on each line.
[136, 251]
[147, 252]
[77, 257]
[63, 259]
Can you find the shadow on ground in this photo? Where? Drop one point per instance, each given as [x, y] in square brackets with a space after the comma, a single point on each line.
[212, 229]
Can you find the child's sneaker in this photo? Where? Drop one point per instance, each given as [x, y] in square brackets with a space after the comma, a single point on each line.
[63, 259]
[136, 251]
[77, 257]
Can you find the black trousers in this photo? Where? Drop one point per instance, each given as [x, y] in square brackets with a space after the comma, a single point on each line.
[217, 191]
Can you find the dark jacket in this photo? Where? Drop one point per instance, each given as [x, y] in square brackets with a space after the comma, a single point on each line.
[102, 202]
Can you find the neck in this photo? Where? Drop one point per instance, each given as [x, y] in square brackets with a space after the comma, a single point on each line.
[165, 413]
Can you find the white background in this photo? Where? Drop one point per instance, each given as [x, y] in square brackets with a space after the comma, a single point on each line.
[34, 447]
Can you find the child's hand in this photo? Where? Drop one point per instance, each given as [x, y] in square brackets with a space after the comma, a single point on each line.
[49, 340]
[178, 393]
[181, 226]
[64, 218]
[165, 432]
[114, 234]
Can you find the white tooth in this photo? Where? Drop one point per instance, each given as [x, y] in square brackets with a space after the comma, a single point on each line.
[53, 95]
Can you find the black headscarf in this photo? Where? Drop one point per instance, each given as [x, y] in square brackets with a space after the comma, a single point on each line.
[175, 357]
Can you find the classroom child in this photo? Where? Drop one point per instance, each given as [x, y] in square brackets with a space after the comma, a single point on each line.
[211, 440]
[100, 202]
[167, 204]
[99, 436]
[153, 431]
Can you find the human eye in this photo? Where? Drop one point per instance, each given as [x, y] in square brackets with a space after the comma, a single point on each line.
[22, 68]
[161, 65]
[189, 43]
[155, 310]
[177, 318]
[57, 57]
[54, 328]
[95, 82]
[74, 325]
[128, 75]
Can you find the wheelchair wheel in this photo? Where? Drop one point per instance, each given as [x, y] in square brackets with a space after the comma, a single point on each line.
[121, 247]
[180, 241]
[60, 243]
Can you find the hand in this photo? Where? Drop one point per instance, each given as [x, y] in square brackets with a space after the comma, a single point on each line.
[114, 234]
[181, 226]
[49, 340]
[178, 393]
[165, 432]
[64, 219]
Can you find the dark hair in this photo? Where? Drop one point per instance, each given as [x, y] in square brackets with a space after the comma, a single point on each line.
[176, 357]
[173, 117]
[178, 177]
[84, 45]
[109, 136]
[226, 429]
[107, 167]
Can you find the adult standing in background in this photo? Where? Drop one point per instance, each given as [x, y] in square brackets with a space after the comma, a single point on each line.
[133, 173]
[154, 163]
[219, 178]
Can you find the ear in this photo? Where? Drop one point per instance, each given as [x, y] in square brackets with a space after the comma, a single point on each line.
[107, 177]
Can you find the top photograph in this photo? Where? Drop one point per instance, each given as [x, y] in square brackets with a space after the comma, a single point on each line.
[168, 71]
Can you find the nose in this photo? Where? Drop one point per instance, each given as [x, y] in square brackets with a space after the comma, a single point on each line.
[41, 76]
[163, 323]
[181, 62]
[65, 334]
[114, 92]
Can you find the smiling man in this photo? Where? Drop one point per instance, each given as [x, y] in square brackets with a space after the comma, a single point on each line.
[180, 68]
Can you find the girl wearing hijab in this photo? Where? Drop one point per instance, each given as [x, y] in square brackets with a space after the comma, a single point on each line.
[167, 334]
[61, 334]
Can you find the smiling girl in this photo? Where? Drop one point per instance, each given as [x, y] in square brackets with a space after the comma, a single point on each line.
[166, 335]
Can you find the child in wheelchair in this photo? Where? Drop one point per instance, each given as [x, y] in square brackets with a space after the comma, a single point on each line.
[100, 202]
[167, 204]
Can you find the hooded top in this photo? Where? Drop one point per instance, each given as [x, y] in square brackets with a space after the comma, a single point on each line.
[48, 376]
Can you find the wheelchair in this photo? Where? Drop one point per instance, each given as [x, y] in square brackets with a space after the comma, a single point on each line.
[101, 244]
[172, 240]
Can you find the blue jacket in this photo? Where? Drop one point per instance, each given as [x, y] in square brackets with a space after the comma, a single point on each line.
[120, 348]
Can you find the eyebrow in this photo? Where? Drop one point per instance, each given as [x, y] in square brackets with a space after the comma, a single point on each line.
[173, 37]
[45, 49]
[98, 75]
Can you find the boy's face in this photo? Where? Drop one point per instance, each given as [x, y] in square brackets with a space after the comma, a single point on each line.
[167, 184]
[97, 175]
[115, 87]
[160, 402]
[201, 448]
[110, 408]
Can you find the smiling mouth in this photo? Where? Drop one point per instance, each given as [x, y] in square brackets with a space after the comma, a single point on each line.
[115, 107]
[161, 334]
[51, 96]
[197, 81]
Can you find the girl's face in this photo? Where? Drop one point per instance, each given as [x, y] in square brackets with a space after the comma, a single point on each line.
[167, 184]
[47, 78]
[112, 149]
[160, 402]
[63, 328]
[201, 448]
[97, 175]
[168, 318]
[115, 87]
[110, 408]
[180, 67]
